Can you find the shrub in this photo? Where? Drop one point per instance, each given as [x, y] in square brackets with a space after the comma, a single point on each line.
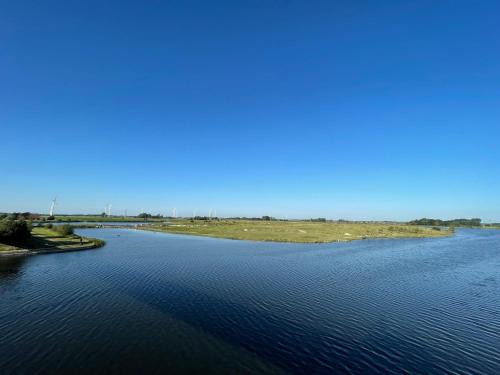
[64, 229]
[14, 230]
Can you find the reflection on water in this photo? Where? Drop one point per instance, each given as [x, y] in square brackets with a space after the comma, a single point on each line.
[10, 267]
[159, 303]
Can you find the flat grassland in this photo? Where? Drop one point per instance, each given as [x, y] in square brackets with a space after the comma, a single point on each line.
[295, 231]
[47, 239]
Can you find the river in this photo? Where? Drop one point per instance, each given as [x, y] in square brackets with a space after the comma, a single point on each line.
[162, 303]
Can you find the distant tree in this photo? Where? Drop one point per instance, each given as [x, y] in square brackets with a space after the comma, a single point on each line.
[475, 222]
[144, 216]
[201, 218]
[103, 214]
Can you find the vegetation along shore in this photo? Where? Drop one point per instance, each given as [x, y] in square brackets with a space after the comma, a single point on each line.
[18, 237]
[33, 233]
[295, 231]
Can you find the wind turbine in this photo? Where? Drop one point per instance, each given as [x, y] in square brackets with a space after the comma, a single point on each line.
[174, 212]
[51, 212]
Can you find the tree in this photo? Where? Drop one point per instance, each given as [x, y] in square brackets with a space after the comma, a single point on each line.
[475, 222]
[14, 230]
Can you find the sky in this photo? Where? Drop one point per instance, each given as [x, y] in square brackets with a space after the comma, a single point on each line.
[374, 110]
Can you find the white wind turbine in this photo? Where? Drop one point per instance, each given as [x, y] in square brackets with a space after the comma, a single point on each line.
[51, 212]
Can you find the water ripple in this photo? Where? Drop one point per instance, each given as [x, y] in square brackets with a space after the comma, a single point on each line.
[159, 303]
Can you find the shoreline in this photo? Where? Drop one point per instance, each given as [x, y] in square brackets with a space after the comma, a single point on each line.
[295, 232]
[47, 241]
[286, 242]
[49, 250]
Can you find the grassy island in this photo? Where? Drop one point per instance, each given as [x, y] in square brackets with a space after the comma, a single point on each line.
[295, 231]
[49, 240]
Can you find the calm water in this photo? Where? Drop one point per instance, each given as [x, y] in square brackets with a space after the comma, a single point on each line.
[117, 223]
[158, 303]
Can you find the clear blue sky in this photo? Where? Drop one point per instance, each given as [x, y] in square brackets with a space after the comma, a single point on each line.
[342, 109]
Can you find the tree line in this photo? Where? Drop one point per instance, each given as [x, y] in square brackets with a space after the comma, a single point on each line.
[474, 222]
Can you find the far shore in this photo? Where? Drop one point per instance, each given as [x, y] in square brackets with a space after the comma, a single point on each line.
[295, 231]
[45, 240]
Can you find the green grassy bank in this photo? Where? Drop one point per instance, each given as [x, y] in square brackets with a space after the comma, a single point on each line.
[296, 231]
[47, 240]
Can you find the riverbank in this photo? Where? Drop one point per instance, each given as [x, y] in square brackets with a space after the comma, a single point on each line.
[295, 231]
[45, 240]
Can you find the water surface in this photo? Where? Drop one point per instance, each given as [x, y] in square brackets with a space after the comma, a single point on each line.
[108, 223]
[157, 303]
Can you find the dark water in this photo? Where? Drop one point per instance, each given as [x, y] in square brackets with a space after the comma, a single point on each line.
[159, 303]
